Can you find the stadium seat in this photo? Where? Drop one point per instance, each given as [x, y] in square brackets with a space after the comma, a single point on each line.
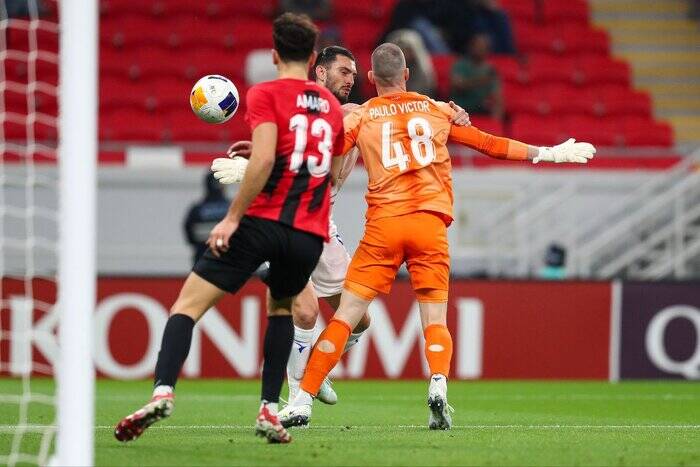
[257, 9]
[184, 126]
[599, 69]
[619, 100]
[116, 94]
[598, 131]
[520, 10]
[507, 67]
[536, 130]
[131, 125]
[46, 37]
[645, 132]
[488, 124]
[443, 70]
[571, 11]
[359, 35]
[360, 10]
[547, 68]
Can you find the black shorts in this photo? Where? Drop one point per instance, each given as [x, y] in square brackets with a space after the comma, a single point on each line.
[292, 254]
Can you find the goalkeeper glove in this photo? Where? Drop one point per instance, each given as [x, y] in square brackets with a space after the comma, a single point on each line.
[228, 171]
[568, 151]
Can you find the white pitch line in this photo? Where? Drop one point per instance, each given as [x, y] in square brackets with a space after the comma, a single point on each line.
[383, 427]
[476, 397]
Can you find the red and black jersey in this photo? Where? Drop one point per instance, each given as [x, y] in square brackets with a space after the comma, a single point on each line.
[309, 133]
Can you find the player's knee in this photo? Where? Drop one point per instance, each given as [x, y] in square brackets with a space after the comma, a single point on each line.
[279, 307]
[304, 318]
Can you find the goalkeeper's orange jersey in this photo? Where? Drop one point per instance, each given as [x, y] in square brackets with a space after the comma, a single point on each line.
[403, 141]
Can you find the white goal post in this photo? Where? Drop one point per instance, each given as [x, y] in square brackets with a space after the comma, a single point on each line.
[78, 104]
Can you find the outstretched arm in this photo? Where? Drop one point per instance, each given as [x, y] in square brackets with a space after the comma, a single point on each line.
[510, 149]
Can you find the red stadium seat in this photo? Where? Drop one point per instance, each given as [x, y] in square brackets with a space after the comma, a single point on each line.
[359, 35]
[642, 132]
[536, 130]
[488, 124]
[520, 9]
[443, 70]
[547, 68]
[598, 131]
[619, 100]
[556, 11]
[131, 125]
[257, 9]
[46, 36]
[185, 126]
[598, 69]
[507, 66]
[360, 10]
[118, 94]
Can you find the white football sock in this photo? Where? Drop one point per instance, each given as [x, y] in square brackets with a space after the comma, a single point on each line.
[303, 398]
[271, 406]
[352, 340]
[162, 390]
[298, 358]
[439, 382]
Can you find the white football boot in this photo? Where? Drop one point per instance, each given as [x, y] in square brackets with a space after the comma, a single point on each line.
[440, 418]
[297, 412]
[326, 393]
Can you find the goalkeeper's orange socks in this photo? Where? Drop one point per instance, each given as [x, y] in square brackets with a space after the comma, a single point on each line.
[325, 355]
[438, 349]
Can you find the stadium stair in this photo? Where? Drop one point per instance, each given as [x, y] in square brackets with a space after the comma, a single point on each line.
[663, 47]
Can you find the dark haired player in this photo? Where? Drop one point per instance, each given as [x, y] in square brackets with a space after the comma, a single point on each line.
[335, 69]
[280, 215]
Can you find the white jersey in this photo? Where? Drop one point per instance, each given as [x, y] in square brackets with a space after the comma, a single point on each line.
[349, 161]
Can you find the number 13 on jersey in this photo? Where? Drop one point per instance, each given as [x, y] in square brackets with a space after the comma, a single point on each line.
[422, 147]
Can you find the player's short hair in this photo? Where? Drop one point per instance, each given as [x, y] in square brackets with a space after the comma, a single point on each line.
[294, 37]
[329, 54]
[388, 63]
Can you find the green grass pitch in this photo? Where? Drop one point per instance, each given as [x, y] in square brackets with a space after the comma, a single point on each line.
[385, 423]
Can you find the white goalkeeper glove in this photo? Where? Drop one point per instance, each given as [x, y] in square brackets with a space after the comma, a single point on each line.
[568, 151]
[228, 171]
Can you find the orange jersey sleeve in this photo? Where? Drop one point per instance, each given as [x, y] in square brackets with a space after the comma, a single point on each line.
[494, 146]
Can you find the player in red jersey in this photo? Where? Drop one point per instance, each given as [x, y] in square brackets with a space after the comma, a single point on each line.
[280, 215]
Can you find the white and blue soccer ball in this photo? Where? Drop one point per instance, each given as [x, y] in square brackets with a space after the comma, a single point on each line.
[214, 99]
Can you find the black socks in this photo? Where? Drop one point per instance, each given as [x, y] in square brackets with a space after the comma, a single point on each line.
[278, 343]
[174, 348]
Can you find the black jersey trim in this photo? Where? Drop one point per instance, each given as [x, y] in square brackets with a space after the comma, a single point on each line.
[319, 194]
[276, 175]
[291, 202]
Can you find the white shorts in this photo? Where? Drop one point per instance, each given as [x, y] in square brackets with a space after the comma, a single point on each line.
[329, 276]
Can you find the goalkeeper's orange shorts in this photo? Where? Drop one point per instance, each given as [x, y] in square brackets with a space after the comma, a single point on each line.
[419, 239]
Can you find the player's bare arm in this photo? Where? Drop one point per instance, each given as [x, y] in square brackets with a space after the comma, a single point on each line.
[259, 168]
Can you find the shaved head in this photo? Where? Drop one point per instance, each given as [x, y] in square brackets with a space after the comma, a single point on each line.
[388, 64]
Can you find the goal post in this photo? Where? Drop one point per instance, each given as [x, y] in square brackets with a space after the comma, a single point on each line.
[77, 151]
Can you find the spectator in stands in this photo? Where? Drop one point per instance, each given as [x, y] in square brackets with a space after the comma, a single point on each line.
[492, 20]
[554, 263]
[318, 10]
[443, 24]
[204, 215]
[421, 72]
[475, 84]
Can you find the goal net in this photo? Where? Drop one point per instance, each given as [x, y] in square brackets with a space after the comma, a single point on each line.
[45, 318]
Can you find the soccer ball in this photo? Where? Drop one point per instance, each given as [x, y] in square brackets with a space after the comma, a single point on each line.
[214, 99]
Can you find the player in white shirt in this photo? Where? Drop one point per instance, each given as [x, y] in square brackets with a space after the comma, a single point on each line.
[334, 69]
